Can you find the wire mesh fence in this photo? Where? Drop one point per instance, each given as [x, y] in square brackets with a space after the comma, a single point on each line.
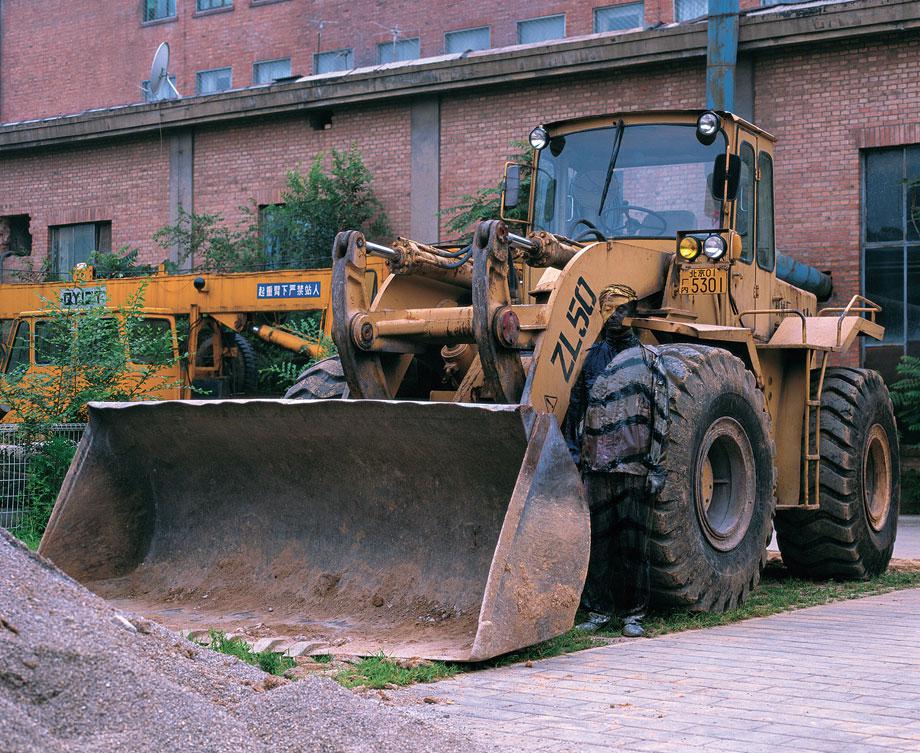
[17, 448]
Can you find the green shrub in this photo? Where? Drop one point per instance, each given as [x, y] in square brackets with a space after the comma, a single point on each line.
[905, 394]
[319, 204]
[207, 244]
[48, 462]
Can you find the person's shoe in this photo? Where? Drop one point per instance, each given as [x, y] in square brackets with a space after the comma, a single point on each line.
[595, 621]
[632, 627]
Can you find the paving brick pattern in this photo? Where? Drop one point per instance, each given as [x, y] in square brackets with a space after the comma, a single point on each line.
[832, 679]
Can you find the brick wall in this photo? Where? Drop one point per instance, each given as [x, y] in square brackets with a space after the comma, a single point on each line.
[823, 103]
[67, 57]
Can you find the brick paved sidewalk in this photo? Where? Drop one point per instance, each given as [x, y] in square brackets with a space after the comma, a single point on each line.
[831, 679]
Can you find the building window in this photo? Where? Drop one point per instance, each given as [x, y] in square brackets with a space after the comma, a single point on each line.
[891, 252]
[685, 10]
[399, 50]
[334, 60]
[467, 39]
[213, 81]
[213, 4]
[154, 10]
[166, 91]
[266, 71]
[541, 29]
[619, 17]
[74, 244]
[271, 244]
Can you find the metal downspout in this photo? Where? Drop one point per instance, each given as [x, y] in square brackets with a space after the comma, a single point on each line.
[721, 54]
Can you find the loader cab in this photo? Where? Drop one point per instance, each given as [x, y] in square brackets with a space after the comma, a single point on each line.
[656, 178]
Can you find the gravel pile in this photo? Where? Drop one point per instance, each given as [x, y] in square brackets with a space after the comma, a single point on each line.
[76, 675]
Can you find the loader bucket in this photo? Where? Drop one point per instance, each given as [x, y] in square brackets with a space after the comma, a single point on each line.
[432, 530]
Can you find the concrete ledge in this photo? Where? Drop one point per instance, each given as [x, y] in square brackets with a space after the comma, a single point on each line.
[772, 28]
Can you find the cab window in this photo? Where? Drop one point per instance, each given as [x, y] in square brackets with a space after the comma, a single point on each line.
[19, 356]
[147, 338]
[765, 248]
[47, 345]
[6, 327]
[744, 204]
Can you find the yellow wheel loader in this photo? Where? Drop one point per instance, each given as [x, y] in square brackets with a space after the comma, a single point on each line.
[437, 512]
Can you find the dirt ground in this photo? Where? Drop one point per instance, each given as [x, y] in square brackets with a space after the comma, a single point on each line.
[78, 675]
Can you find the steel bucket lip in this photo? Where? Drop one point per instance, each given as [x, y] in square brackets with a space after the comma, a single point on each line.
[430, 405]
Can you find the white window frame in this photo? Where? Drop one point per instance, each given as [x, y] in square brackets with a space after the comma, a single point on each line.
[522, 23]
[198, 79]
[257, 63]
[457, 32]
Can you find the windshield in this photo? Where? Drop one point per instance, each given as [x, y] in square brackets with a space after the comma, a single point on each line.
[660, 183]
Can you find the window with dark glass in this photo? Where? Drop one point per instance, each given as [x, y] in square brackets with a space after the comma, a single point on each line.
[541, 29]
[891, 252]
[467, 39]
[47, 341]
[684, 10]
[619, 17]
[147, 338]
[213, 81]
[744, 203]
[334, 60]
[766, 253]
[74, 244]
[213, 4]
[399, 50]
[154, 10]
[19, 356]
[266, 71]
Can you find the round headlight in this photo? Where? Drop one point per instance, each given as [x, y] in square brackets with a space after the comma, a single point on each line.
[689, 248]
[539, 138]
[707, 127]
[714, 247]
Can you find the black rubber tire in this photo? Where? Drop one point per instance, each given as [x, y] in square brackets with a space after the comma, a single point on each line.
[243, 371]
[324, 380]
[711, 393]
[838, 541]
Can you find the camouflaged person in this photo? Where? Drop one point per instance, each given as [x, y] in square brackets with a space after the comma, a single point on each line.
[622, 441]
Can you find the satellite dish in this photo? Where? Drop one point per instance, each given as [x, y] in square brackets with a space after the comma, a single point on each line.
[160, 85]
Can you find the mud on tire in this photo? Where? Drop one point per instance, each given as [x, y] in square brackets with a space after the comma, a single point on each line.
[852, 535]
[713, 520]
[323, 380]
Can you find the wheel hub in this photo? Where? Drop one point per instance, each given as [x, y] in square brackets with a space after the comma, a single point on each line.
[725, 484]
[877, 477]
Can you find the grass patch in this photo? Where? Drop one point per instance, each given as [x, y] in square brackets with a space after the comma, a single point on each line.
[778, 592]
[381, 671]
[267, 661]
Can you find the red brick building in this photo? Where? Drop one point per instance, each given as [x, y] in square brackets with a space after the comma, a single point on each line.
[838, 83]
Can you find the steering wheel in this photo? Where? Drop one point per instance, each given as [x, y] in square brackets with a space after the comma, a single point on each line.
[631, 225]
[592, 230]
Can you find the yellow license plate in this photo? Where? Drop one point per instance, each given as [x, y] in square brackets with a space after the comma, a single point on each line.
[702, 281]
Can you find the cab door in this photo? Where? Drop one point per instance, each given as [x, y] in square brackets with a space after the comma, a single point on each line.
[751, 285]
